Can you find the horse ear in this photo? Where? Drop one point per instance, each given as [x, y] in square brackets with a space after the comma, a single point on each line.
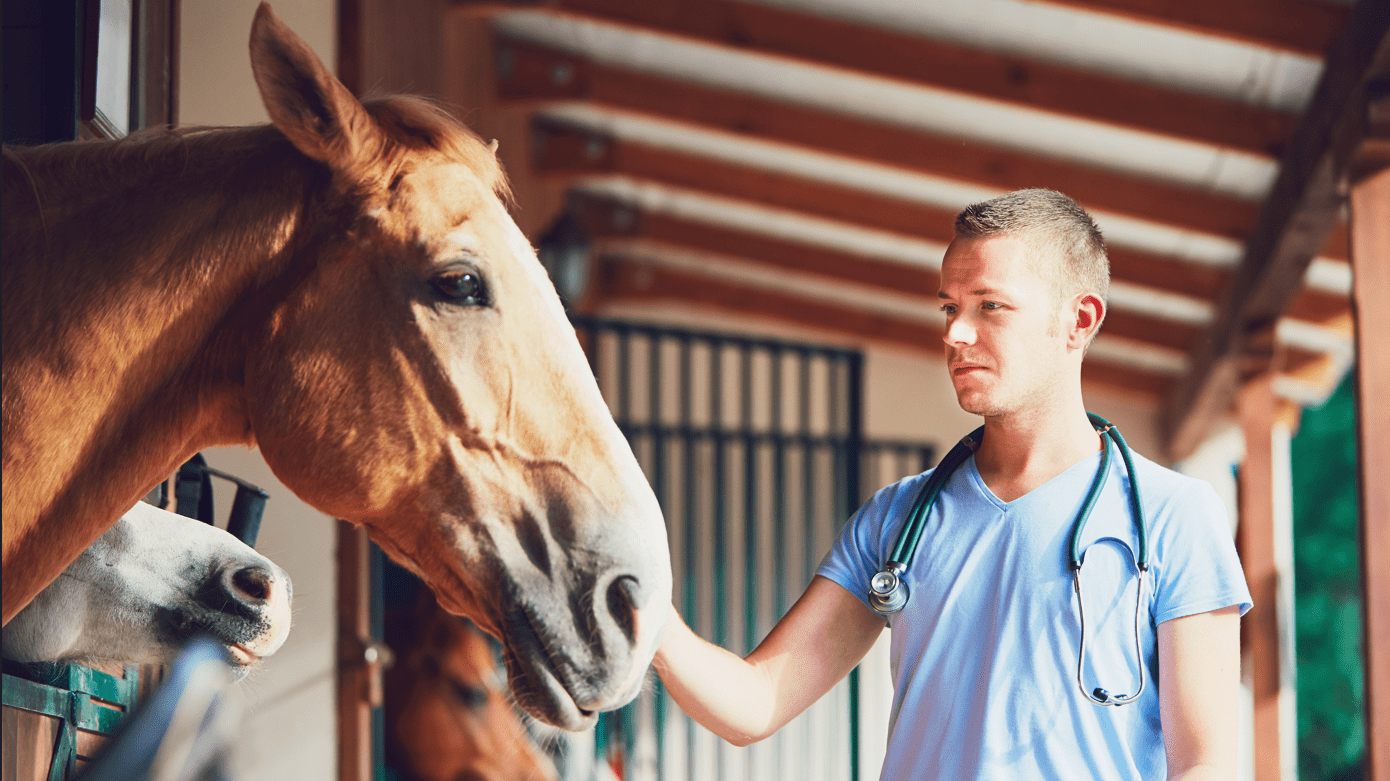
[306, 102]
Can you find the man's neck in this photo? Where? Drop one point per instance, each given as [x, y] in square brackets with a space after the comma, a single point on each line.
[1022, 451]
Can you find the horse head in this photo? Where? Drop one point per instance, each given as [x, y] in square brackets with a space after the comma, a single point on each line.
[422, 380]
[448, 712]
[151, 583]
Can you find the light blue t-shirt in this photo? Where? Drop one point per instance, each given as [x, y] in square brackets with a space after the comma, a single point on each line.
[984, 656]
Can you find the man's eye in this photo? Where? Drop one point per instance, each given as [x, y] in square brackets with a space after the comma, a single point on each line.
[949, 309]
[990, 305]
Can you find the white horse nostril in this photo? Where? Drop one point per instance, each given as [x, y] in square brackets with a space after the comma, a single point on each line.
[624, 599]
[252, 582]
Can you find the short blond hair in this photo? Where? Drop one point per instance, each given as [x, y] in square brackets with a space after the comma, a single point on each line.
[1056, 228]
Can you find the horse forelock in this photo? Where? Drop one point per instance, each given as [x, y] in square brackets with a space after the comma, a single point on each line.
[413, 124]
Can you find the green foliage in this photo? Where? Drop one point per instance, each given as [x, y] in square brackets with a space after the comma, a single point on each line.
[1327, 591]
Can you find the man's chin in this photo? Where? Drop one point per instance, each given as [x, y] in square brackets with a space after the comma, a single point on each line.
[975, 403]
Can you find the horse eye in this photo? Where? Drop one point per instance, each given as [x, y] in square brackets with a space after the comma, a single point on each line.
[463, 287]
[473, 697]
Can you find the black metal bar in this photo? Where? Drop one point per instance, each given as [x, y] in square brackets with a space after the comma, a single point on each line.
[689, 541]
[808, 475]
[720, 531]
[779, 478]
[624, 376]
[854, 400]
[247, 509]
[658, 478]
[595, 350]
[750, 504]
[720, 519]
[711, 337]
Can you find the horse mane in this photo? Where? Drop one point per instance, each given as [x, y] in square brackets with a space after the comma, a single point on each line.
[409, 124]
[414, 123]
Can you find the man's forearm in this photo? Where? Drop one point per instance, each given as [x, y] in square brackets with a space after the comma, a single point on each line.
[730, 696]
[812, 647]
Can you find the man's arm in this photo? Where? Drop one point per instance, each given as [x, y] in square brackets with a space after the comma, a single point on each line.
[1199, 690]
[816, 643]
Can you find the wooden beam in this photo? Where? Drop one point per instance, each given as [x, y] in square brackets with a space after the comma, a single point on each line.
[1370, 221]
[621, 279]
[1320, 307]
[561, 149]
[354, 674]
[534, 74]
[1255, 535]
[925, 62]
[1301, 26]
[348, 44]
[606, 218]
[1301, 208]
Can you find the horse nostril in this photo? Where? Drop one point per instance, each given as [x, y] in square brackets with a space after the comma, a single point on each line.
[624, 597]
[252, 582]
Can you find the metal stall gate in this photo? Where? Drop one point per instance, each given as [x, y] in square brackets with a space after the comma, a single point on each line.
[754, 448]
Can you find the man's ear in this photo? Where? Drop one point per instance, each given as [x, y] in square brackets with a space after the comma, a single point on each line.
[1088, 312]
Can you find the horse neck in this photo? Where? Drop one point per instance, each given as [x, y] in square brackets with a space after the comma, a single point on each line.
[126, 267]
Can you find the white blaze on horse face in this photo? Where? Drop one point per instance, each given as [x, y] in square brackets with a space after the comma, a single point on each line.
[559, 497]
[146, 587]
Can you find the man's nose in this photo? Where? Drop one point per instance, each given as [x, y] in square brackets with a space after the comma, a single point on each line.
[958, 331]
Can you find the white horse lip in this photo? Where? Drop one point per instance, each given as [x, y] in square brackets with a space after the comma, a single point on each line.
[241, 655]
[540, 690]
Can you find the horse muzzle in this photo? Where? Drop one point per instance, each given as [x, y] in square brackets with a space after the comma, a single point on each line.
[567, 666]
[245, 606]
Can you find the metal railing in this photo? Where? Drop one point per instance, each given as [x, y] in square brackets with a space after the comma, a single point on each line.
[755, 450]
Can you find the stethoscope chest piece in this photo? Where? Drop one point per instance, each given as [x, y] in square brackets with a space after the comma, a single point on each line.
[887, 591]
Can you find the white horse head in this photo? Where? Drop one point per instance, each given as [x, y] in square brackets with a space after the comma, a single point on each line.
[147, 586]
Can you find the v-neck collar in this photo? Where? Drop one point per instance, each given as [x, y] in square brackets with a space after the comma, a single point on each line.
[979, 481]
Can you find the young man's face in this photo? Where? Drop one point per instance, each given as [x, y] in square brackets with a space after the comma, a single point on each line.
[1006, 344]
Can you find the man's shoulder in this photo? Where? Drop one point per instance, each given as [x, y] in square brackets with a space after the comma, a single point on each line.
[1162, 486]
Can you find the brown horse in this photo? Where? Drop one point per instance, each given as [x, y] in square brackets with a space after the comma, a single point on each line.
[449, 716]
[344, 289]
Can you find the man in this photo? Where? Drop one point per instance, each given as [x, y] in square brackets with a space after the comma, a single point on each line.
[984, 655]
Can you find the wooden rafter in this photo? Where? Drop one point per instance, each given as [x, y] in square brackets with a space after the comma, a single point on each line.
[560, 148]
[531, 73]
[621, 279]
[1302, 26]
[606, 218]
[1036, 84]
[1302, 206]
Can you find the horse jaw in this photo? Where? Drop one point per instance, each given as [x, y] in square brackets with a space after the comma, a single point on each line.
[144, 589]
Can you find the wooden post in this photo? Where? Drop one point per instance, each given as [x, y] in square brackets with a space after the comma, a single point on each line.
[1260, 627]
[1370, 247]
[354, 672]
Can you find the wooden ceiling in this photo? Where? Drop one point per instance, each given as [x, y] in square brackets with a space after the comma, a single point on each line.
[708, 169]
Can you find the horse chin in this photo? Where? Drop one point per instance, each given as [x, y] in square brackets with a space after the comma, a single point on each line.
[535, 686]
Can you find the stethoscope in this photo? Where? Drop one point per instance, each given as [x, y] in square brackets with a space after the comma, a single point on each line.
[888, 592]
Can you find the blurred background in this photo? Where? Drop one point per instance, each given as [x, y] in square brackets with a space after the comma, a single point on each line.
[744, 204]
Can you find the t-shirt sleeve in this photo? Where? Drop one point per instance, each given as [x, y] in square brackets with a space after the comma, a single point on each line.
[858, 553]
[1198, 569]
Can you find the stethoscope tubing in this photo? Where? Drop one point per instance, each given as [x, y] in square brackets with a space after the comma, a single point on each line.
[1101, 696]
[888, 592]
